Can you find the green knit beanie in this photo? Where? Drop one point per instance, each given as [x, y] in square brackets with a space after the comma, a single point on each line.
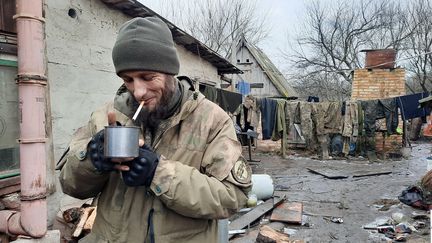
[145, 44]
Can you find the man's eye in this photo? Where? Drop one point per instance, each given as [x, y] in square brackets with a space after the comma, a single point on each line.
[127, 80]
[148, 77]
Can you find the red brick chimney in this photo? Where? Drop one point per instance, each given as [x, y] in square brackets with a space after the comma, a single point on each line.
[380, 58]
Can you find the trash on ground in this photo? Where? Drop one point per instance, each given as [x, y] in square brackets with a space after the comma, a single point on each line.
[337, 220]
[398, 217]
[289, 232]
[232, 232]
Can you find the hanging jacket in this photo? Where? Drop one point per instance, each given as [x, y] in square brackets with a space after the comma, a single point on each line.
[268, 116]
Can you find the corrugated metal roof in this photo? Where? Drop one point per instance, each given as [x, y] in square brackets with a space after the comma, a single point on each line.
[134, 8]
[270, 70]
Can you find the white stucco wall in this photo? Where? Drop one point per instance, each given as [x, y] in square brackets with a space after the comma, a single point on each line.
[253, 73]
[80, 70]
[193, 66]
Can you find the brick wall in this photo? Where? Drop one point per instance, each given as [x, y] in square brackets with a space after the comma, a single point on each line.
[369, 84]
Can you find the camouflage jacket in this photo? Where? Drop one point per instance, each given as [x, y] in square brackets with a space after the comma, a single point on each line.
[200, 177]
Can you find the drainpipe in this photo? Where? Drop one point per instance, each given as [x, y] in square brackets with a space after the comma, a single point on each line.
[32, 218]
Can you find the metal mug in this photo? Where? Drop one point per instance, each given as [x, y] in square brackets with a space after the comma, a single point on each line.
[121, 141]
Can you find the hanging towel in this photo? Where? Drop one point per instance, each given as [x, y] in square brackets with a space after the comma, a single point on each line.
[408, 105]
[280, 122]
[228, 101]
[209, 92]
[243, 87]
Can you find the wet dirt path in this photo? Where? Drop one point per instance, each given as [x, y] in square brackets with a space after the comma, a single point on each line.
[357, 200]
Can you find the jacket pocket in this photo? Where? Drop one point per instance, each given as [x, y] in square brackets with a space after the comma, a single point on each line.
[169, 224]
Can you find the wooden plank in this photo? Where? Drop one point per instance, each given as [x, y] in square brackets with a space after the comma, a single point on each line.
[329, 173]
[11, 181]
[9, 190]
[82, 221]
[255, 213]
[340, 173]
[90, 221]
[370, 173]
[288, 212]
[267, 234]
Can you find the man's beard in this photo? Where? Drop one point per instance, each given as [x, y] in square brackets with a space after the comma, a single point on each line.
[162, 110]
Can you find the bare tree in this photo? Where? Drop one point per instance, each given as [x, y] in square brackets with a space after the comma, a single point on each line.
[418, 47]
[217, 23]
[333, 37]
[325, 85]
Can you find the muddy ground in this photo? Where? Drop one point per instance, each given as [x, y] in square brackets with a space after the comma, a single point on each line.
[357, 200]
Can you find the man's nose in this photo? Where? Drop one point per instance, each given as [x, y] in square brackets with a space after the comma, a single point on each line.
[140, 89]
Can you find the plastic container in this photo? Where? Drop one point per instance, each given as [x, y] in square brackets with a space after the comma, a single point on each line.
[262, 186]
[429, 163]
[252, 200]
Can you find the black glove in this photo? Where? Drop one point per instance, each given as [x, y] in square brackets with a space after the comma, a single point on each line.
[96, 150]
[141, 169]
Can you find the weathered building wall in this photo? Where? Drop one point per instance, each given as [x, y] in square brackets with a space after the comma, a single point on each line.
[195, 67]
[369, 84]
[79, 38]
[80, 69]
[253, 73]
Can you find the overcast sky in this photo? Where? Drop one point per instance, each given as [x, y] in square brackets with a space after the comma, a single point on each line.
[283, 18]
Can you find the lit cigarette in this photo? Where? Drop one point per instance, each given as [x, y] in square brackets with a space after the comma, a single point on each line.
[138, 110]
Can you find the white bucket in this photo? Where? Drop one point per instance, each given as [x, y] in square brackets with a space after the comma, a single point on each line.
[428, 161]
[262, 186]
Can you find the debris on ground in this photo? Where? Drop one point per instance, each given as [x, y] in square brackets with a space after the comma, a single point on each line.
[398, 217]
[268, 235]
[288, 212]
[398, 227]
[333, 236]
[274, 213]
[336, 220]
[289, 232]
[85, 222]
[419, 196]
[352, 201]
[385, 204]
[75, 221]
[420, 215]
[248, 218]
[414, 196]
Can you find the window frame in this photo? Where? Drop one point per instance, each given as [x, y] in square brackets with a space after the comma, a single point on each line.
[9, 179]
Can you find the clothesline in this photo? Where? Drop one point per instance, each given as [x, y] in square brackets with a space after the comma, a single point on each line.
[320, 119]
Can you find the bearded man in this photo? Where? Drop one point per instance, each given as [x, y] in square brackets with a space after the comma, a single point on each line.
[189, 172]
